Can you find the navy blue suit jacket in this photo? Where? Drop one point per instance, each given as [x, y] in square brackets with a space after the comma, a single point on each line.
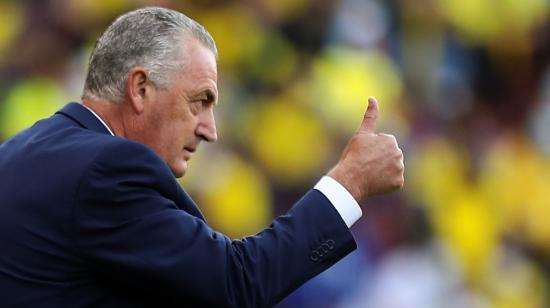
[92, 220]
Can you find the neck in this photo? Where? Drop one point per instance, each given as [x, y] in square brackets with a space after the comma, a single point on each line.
[111, 113]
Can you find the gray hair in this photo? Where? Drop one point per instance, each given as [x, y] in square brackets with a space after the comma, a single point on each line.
[151, 37]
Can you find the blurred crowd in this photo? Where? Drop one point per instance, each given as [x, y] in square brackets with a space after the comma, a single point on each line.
[463, 84]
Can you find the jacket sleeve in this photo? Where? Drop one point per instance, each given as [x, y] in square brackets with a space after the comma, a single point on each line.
[129, 229]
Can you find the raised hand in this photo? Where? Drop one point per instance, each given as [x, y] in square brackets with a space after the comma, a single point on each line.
[372, 163]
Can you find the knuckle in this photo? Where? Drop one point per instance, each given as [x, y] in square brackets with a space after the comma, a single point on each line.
[399, 182]
[399, 154]
[398, 165]
[370, 116]
[391, 138]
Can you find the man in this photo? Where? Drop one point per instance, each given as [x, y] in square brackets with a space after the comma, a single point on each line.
[92, 216]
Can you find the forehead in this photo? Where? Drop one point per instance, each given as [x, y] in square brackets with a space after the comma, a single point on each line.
[198, 60]
[198, 75]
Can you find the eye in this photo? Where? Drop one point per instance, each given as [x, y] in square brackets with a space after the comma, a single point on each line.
[196, 106]
[202, 102]
[206, 103]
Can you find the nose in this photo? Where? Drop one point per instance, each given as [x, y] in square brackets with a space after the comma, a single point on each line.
[207, 127]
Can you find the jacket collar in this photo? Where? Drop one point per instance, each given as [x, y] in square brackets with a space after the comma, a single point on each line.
[83, 117]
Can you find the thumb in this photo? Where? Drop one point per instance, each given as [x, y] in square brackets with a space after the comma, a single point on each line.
[370, 117]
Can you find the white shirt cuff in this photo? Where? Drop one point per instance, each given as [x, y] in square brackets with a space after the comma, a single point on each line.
[341, 199]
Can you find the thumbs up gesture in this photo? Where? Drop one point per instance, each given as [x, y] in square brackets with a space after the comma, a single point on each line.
[372, 163]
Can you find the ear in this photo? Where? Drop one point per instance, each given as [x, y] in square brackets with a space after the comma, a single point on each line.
[138, 88]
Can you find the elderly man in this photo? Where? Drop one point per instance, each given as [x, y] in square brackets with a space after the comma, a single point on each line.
[92, 215]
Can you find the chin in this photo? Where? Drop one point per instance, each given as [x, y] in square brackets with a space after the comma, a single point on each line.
[179, 169]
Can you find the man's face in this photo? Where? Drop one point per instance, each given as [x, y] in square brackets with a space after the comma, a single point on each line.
[180, 117]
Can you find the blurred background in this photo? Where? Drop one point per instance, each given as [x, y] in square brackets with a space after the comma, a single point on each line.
[463, 84]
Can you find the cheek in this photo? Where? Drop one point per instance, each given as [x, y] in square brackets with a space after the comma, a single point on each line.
[187, 128]
[180, 135]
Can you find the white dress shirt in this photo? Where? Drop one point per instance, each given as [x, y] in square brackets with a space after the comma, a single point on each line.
[338, 195]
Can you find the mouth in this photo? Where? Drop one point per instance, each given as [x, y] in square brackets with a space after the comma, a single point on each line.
[190, 150]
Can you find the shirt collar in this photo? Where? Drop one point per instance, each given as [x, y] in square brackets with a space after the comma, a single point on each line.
[100, 119]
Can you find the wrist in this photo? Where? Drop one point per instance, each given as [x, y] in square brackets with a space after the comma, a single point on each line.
[346, 179]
